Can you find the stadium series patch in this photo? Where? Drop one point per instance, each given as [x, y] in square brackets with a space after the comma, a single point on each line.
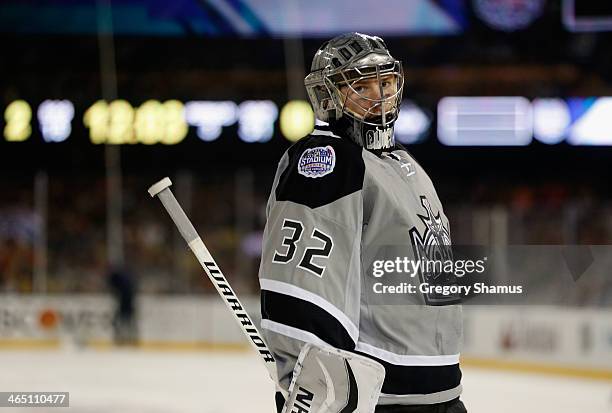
[317, 162]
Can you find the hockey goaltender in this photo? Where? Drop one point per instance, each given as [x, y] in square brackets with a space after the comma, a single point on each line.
[339, 195]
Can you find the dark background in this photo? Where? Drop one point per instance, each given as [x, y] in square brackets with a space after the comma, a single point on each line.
[536, 185]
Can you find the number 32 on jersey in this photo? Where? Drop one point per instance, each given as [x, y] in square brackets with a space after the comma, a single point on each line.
[289, 246]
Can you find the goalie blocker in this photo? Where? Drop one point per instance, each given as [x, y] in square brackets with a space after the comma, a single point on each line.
[329, 380]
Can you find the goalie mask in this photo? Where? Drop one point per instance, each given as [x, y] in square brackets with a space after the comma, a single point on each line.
[356, 86]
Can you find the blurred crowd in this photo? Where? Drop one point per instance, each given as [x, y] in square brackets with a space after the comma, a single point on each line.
[537, 195]
[76, 246]
[229, 212]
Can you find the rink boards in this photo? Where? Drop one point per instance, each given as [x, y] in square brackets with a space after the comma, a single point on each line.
[561, 340]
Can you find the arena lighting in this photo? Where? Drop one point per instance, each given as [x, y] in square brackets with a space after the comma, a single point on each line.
[210, 117]
[594, 127]
[485, 121]
[157, 122]
[587, 15]
[296, 120]
[412, 124]
[96, 119]
[55, 119]
[120, 123]
[508, 15]
[149, 122]
[462, 121]
[256, 120]
[551, 118]
[17, 116]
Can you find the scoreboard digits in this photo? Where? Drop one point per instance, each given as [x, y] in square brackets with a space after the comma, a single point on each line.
[176, 127]
[121, 123]
[18, 116]
[153, 122]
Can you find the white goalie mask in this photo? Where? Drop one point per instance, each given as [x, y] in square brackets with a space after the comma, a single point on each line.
[356, 85]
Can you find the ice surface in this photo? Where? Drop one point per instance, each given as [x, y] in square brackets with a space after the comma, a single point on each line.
[132, 381]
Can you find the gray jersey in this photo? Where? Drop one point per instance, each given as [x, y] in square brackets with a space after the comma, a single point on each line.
[334, 209]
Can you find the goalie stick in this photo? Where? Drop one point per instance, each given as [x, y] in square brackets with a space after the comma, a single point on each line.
[162, 190]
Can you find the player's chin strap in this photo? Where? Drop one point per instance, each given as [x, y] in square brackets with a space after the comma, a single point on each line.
[328, 380]
[373, 137]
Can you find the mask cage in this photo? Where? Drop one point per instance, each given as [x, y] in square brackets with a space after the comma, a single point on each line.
[348, 77]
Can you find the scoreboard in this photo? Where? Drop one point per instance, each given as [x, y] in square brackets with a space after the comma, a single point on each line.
[458, 121]
[155, 122]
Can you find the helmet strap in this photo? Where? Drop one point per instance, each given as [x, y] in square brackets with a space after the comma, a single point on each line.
[374, 138]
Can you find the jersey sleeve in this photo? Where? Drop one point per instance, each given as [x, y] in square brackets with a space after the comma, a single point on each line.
[310, 266]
